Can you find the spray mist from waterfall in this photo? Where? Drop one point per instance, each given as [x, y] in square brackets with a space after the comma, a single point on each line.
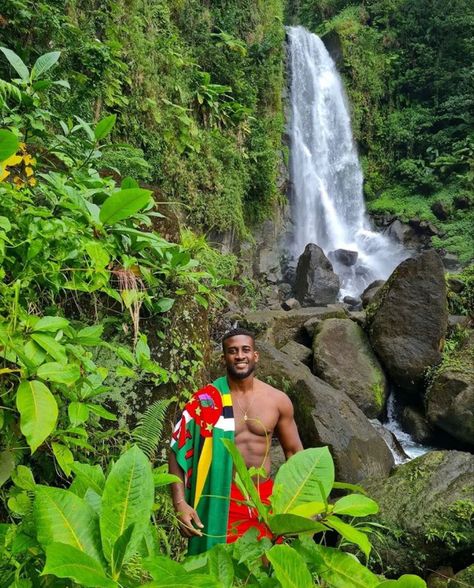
[327, 199]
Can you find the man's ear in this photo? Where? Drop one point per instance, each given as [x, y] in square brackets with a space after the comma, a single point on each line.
[222, 359]
[257, 356]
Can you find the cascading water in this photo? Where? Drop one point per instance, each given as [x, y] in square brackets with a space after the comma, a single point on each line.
[327, 199]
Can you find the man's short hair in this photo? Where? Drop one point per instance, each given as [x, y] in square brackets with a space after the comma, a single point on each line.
[235, 333]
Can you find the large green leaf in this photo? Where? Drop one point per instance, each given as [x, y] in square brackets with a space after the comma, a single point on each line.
[78, 413]
[63, 456]
[290, 568]
[17, 63]
[405, 581]
[87, 476]
[57, 372]
[221, 566]
[51, 324]
[290, 524]
[38, 412]
[245, 478]
[170, 574]
[51, 346]
[119, 551]
[123, 204]
[103, 127]
[65, 561]
[338, 569]
[63, 517]
[127, 498]
[8, 144]
[351, 534]
[307, 476]
[355, 505]
[43, 63]
[7, 465]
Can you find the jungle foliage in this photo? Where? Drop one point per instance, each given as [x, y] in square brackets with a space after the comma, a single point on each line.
[407, 65]
[196, 88]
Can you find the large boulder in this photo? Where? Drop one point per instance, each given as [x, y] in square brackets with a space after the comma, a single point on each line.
[343, 358]
[316, 282]
[326, 416]
[450, 396]
[463, 579]
[279, 326]
[408, 320]
[426, 506]
[369, 293]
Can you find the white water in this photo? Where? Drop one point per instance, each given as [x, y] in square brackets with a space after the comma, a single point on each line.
[327, 200]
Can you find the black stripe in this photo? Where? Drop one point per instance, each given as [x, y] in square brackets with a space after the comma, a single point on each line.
[228, 412]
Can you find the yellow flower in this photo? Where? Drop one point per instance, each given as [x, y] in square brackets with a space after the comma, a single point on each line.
[12, 160]
[4, 173]
[28, 171]
[19, 183]
[32, 182]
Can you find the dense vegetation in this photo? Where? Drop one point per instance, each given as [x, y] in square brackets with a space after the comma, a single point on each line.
[408, 71]
[195, 87]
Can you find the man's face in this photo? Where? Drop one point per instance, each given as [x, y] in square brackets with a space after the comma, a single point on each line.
[240, 356]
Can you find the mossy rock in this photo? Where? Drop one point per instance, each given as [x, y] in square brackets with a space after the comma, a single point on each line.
[427, 507]
[463, 578]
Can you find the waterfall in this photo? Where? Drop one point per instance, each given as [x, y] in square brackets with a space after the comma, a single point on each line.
[327, 199]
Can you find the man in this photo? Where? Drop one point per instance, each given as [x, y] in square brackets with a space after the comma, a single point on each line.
[210, 507]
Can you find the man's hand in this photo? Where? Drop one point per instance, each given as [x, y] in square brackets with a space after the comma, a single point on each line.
[188, 519]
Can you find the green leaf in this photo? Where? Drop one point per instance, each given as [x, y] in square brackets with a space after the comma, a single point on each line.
[350, 533]
[127, 498]
[34, 353]
[221, 566]
[23, 478]
[65, 561]
[336, 568]
[57, 372]
[355, 505]
[123, 204]
[242, 471]
[43, 63]
[8, 144]
[4, 222]
[104, 127]
[90, 335]
[38, 412]
[405, 581]
[98, 254]
[307, 476]
[17, 63]
[125, 372]
[119, 551]
[51, 346]
[162, 479]
[61, 516]
[63, 456]
[78, 413]
[347, 486]
[7, 465]
[128, 182]
[102, 412]
[290, 568]
[308, 509]
[87, 476]
[50, 324]
[290, 524]
[164, 304]
[160, 566]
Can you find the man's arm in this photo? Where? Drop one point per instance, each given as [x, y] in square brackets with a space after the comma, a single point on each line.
[286, 429]
[185, 513]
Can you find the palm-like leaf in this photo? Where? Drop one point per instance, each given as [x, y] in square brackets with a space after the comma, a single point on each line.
[149, 430]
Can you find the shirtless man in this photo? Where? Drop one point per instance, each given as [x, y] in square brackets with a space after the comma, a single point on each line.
[259, 410]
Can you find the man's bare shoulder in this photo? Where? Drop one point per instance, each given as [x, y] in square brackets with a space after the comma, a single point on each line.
[276, 396]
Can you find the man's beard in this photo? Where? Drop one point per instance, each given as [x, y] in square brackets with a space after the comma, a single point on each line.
[240, 375]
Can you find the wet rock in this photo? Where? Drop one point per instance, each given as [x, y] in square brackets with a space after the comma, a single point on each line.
[371, 290]
[408, 320]
[279, 326]
[291, 304]
[428, 229]
[316, 282]
[345, 256]
[358, 316]
[352, 302]
[298, 352]
[451, 262]
[416, 424]
[326, 416]
[450, 396]
[440, 210]
[457, 322]
[343, 358]
[400, 232]
[423, 505]
[392, 442]
[285, 290]
[456, 285]
[462, 202]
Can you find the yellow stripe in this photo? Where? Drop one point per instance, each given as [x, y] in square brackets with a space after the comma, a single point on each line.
[226, 400]
[203, 468]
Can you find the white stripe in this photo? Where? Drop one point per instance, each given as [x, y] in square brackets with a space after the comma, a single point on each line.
[225, 424]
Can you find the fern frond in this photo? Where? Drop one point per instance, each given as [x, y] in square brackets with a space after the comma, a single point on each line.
[7, 91]
[149, 430]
